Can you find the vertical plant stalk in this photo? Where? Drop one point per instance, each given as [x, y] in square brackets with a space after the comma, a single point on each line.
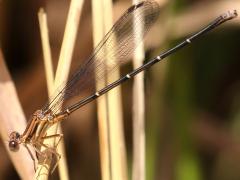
[12, 118]
[65, 59]
[103, 126]
[47, 56]
[114, 104]
[111, 133]
[138, 172]
[61, 76]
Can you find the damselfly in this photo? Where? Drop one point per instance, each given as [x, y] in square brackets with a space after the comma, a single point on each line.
[123, 33]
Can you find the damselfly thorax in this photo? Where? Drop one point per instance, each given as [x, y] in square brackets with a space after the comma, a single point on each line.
[35, 134]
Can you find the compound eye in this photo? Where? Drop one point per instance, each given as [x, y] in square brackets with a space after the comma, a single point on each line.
[13, 146]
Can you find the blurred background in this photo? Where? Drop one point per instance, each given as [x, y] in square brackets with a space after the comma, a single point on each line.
[192, 98]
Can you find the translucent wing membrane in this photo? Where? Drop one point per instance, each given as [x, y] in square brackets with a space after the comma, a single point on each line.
[115, 49]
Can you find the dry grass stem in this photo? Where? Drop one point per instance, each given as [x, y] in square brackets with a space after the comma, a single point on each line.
[116, 132]
[13, 119]
[111, 136]
[42, 18]
[63, 67]
[138, 172]
[103, 126]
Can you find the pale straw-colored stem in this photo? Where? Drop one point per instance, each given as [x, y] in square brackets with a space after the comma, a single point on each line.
[64, 63]
[138, 172]
[111, 134]
[103, 126]
[47, 57]
[12, 119]
[114, 104]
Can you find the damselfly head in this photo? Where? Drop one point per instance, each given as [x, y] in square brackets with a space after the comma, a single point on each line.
[14, 141]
